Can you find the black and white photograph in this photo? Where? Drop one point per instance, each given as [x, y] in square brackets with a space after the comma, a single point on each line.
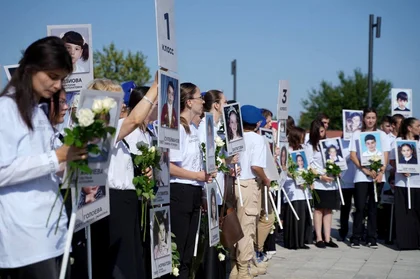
[160, 241]
[162, 177]
[213, 214]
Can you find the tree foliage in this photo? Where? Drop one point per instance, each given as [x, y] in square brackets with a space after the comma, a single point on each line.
[351, 93]
[115, 65]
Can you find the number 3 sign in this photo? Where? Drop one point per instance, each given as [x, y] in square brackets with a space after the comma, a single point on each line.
[283, 101]
[166, 40]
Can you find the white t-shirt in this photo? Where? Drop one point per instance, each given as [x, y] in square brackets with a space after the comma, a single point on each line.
[188, 156]
[316, 162]
[121, 168]
[400, 179]
[28, 190]
[255, 154]
[354, 147]
[347, 176]
[220, 178]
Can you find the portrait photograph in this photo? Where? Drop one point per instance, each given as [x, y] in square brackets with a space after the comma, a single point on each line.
[160, 241]
[332, 149]
[268, 134]
[213, 213]
[90, 194]
[233, 127]
[168, 110]
[370, 145]
[401, 100]
[282, 156]
[282, 131]
[210, 143]
[299, 158]
[407, 156]
[352, 122]
[162, 178]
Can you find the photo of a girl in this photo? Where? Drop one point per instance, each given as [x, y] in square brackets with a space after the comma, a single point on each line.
[407, 154]
[161, 235]
[234, 127]
[79, 51]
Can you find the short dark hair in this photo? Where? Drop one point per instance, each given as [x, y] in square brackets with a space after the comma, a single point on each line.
[396, 117]
[266, 113]
[402, 96]
[386, 118]
[370, 137]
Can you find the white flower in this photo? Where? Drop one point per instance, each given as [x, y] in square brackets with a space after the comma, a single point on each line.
[324, 170]
[330, 167]
[330, 161]
[152, 149]
[219, 161]
[175, 271]
[221, 257]
[219, 141]
[97, 106]
[108, 104]
[85, 116]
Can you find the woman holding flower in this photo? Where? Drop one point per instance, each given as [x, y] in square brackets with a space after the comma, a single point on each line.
[364, 181]
[325, 187]
[28, 163]
[296, 233]
[117, 245]
[407, 221]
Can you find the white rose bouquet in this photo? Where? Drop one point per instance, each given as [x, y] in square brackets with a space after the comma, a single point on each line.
[90, 125]
[375, 164]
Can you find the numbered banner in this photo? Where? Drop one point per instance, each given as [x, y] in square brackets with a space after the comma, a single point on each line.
[168, 111]
[160, 241]
[283, 102]
[78, 41]
[402, 102]
[9, 70]
[166, 40]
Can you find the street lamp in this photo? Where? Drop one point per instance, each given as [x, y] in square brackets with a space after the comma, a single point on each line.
[378, 35]
[233, 70]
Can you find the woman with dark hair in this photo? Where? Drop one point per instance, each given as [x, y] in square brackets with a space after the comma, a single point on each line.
[325, 187]
[296, 233]
[234, 130]
[77, 48]
[187, 178]
[28, 164]
[407, 221]
[363, 180]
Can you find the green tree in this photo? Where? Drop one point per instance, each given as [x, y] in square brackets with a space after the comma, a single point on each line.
[115, 65]
[351, 93]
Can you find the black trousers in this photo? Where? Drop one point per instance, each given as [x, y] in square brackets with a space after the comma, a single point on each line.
[407, 220]
[363, 191]
[348, 194]
[117, 251]
[48, 269]
[185, 209]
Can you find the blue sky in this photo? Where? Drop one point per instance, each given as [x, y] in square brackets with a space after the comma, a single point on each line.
[302, 41]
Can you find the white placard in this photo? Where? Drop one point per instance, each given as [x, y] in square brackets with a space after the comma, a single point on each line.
[160, 241]
[92, 205]
[213, 214]
[300, 158]
[78, 40]
[269, 135]
[166, 39]
[9, 70]
[99, 163]
[162, 178]
[370, 144]
[352, 122]
[407, 154]
[282, 158]
[332, 149]
[210, 143]
[283, 100]
[270, 170]
[402, 102]
[282, 130]
[233, 126]
[168, 110]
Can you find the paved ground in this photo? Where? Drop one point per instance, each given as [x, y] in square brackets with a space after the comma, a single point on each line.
[344, 262]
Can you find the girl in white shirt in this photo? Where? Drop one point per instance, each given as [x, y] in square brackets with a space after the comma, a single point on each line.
[407, 221]
[364, 182]
[28, 163]
[116, 242]
[325, 187]
[187, 178]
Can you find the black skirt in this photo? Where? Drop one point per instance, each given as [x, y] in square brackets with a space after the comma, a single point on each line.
[297, 233]
[407, 221]
[328, 199]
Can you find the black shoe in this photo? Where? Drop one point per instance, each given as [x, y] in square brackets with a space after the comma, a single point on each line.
[372, 244]
[331, 244]
[355, 243]
[305, 247]
[320, 244]
[343, 235]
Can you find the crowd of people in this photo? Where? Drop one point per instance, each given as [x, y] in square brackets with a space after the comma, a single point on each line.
[30, 167]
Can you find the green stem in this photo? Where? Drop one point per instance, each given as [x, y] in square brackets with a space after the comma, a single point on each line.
[57, 196]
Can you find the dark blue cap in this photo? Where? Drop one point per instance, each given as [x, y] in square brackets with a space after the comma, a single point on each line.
[127, 86]
[252, 115]
[202, 94]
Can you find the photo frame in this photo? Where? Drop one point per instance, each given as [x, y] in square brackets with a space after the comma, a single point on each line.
[162, 178]
[210, 143]
[9, 70]
[352, 122]
[402, 102]
[407, 156]
[282, 157]
[269, 135]
[234, 130]
[282, 130]
[299, 157]
[160, 241]
[213, 214]
[369, 145]
[332, 149]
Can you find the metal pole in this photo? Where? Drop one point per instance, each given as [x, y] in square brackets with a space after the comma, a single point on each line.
[370, 60]
[234, 78]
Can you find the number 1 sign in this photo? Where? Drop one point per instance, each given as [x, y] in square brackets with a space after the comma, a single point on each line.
[283, 102]
[166, 40]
